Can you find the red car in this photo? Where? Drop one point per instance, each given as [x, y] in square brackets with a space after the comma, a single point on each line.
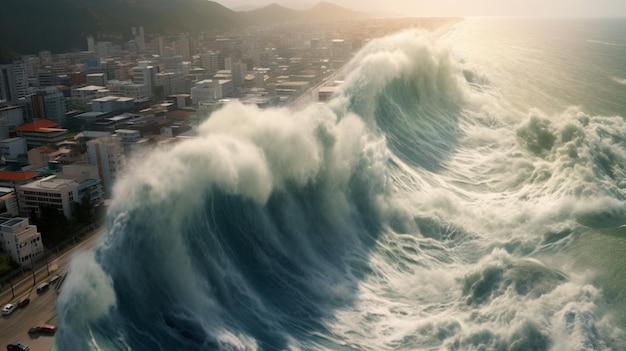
[23, 302]
[43, 329]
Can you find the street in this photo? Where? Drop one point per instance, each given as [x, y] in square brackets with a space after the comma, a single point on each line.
[41, 309]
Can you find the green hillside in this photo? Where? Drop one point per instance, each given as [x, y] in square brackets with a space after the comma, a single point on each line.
[29, 26]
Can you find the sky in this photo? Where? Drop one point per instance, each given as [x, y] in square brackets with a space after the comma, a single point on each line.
[464, 8]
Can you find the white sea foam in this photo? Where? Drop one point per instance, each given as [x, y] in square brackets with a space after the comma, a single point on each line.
[619, 80]
[417, 210]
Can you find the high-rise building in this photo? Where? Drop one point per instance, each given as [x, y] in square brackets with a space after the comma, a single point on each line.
[160, 46]
[13, 81]
[182, 47]
[45, 57]
[171, 83]
[108, 154]
[10, 117]
[33, 64]
[340, 50]
[105, 49]
[49, 104]
[46, 79]
[91, 45]
[143, 74]
[52, 104]
[238, 70]
[210, 61]
[139, 38]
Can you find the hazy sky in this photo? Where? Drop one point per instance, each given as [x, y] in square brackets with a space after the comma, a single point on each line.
[550, 8]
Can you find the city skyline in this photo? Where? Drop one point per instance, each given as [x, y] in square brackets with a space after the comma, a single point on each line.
[444, 8]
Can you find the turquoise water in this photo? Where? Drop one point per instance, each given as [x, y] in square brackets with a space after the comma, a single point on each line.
[460, 192]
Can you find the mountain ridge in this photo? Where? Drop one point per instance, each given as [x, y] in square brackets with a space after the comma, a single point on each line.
[322, 11]
[63, 25]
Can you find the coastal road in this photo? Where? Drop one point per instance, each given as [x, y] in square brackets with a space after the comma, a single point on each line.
[311, 95]
[41, 309]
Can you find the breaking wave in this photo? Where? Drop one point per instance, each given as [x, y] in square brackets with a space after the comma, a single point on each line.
[414, 211]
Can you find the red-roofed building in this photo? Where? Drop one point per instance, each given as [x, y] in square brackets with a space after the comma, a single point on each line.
[35, 126]
[40, 133]
[11, 179]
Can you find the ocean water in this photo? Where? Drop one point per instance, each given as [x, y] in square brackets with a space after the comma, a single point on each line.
[462, 191]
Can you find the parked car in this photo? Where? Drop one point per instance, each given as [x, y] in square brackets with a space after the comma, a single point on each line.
[46, 329]
[8, 309]
[23, 302]
[16, 346]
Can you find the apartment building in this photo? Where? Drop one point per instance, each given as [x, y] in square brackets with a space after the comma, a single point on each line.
[49, 191]
[108, 154]
[20, 240]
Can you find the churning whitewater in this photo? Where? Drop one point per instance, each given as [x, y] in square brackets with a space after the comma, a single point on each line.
[420, 209]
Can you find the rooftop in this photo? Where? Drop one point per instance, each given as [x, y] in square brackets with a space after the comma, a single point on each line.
[17, 176]
[46, 148]
[36, 126]
[51, 182]
[13, 221]
[91, 88]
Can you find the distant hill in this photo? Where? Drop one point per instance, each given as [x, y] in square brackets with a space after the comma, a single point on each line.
[290, 4]
[63, 25]
[29, 26]
[323, 11]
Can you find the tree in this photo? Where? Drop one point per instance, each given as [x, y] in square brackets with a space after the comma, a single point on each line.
[53, 225]
[83, 211]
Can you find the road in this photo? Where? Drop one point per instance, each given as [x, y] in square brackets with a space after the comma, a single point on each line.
[311, 95]
[41, 309]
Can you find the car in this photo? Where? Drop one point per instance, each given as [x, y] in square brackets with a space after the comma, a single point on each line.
[46, 329]
[23, 302]
[43, 287]
[16, 346]
[53, 279]
[8, 309]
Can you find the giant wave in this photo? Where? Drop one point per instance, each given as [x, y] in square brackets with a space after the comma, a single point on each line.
[415, 211]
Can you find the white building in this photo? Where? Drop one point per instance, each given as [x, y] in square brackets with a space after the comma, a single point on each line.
[21, 240]
[112, 103]
[128, 135]
[210, 90]
[91, 44]
[33, 63]
[172, 83]
[49, 191]
[139, 37]
[105, 49]
[340, 50]
[108, 154]
[128, 88]
[83, 95]
[13, 81]
[143, 74]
